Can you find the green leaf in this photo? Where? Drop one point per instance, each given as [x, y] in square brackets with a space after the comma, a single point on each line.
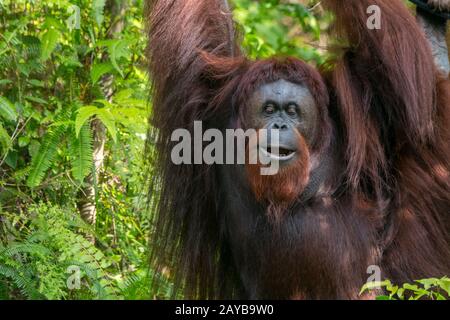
[7, 109]
[11, 159]
[99, 70]
[105, 116]
[444, 284]
[400, 293]
[48, 43]
[36, 83]
[5, 81]
[428, 283]
[104, 102]
[383, 298]
[123, 95]
[411, 287]
[83, 115]
[80, 150]
[392, 289]
[23, 141]
[108, 120]
[116, 53]
[33, 148]
[98, 255]
[36, 99]
[117, 48]
[5, 139]
[98, 7]
[373, 285]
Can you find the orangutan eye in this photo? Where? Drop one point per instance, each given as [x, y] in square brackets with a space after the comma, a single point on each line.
[269, 108]
[291, 110]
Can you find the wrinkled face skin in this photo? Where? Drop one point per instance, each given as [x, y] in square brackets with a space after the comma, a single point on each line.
[291, 109]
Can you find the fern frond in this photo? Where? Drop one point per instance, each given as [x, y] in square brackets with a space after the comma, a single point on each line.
[80, 151]
[45, 156]
[25, 247]
[74, 247]
[97, 287]
[136, 287]
[22, 282]
[32, 47]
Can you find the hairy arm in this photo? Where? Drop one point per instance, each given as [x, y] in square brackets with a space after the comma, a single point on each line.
[395, 109]
[384, 82]
[185, 37]
[179, 31]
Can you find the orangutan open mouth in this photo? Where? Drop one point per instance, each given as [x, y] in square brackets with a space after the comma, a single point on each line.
[278, 152]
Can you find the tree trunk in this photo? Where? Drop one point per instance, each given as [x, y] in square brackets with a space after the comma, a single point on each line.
[87, 203]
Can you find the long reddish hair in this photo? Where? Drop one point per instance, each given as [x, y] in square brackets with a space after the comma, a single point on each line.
[391, 110]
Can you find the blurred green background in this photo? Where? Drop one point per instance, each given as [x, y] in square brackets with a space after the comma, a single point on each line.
[74, 103]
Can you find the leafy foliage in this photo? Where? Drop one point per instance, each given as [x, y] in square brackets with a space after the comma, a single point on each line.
[433, 289]
[276, 27]
[53, 60]
[42, 258]
[45, 156]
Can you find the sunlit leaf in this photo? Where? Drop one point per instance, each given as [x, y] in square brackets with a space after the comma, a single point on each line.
[7, 109]
[83, 115]
[108, 120]
[36, 99]
[5, 139]
[100, 69]
[48, 43]
[98, 7]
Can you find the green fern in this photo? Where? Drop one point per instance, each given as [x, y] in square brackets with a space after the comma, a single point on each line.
[31, 47]
[80, 151]
[136, 286]
[4, 290]
[74, 247]
[38, 264]
[45, 156]
[97, 287]
[23, 282]
[24, 248]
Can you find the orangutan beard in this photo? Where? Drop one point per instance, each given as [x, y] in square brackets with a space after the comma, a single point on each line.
[281, 190]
